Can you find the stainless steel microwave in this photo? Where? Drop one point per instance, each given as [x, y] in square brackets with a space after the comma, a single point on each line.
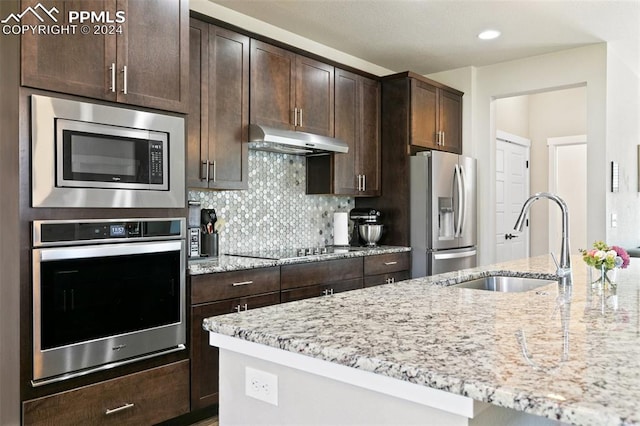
[91, 155]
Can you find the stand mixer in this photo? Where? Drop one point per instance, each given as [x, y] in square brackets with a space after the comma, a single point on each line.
[366, 227]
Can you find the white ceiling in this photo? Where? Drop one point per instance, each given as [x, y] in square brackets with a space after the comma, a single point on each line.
[427, 36]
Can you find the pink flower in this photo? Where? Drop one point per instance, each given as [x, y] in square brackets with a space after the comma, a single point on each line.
[623, 255]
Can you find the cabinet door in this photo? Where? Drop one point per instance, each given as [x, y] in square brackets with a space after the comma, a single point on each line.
[77, 64]
[272, 86]
[423, 115]
[198, 120]
[204, 358]
[217, 152]
[388, 278]
[320, 290]
[154, 49]
[450, 106]
[228, 108]
[347, 130]
[314, 96]
[368, 148]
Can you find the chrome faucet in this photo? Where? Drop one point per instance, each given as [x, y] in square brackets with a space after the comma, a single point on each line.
[564, 266]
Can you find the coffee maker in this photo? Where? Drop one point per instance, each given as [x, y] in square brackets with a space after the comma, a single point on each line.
[362, 216]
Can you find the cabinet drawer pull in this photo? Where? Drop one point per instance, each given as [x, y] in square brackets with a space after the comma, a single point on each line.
[242, 283]
[115, 410]
[390, 263]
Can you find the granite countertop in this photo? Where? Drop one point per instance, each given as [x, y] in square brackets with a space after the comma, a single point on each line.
[225, 263]
[466, 341]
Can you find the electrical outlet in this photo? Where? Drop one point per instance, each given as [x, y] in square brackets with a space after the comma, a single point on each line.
[614, 220]
[261, 385]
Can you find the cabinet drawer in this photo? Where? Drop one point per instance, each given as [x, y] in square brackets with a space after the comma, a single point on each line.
[385, 263]
[228, 285]
[374, 280]
[306, 274]
[147, 397]
[320, 290]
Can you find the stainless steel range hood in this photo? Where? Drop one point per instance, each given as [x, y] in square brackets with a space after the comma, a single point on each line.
[266, 138]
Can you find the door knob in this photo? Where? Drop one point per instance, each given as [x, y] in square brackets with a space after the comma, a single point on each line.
[509, 236]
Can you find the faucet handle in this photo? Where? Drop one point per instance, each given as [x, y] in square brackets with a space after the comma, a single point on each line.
[560, 271]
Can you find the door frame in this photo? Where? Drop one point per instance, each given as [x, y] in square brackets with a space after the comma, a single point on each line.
[553, 144]
[526, 143]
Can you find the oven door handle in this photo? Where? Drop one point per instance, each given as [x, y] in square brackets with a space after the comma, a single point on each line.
[104, 250]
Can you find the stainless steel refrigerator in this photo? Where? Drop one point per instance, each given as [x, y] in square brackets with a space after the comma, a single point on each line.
[443, 213]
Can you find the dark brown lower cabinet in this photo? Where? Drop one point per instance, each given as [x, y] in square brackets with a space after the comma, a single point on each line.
[320, 290]
[388, 278]
[147, 397]
[204, 358]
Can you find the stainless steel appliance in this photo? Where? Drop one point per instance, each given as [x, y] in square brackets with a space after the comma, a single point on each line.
[362, 216]
[90, 155]
[443, 212]
[105, 293]
[193, 229]
[264, 138]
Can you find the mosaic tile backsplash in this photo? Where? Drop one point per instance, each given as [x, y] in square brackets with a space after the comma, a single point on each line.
[274, 212]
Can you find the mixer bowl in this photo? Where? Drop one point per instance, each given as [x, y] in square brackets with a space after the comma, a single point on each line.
[370, 233]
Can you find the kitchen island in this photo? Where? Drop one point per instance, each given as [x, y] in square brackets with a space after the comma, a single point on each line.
[423, 352]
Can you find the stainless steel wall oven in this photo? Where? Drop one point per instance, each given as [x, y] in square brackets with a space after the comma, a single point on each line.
[105, 293]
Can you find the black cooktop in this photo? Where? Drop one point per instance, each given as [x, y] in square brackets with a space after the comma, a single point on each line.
[292, 253]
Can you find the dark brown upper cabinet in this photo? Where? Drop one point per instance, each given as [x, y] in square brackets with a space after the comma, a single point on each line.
[142, 61]
[290, 91]
[217, 135]
[357, 122]
[435, 112]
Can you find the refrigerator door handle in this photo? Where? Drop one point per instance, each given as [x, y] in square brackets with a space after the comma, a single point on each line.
[443, 256]
[463, 198]
[456, 173]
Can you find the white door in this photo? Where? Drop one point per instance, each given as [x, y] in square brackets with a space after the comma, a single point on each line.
[512, 190]
[568, 179]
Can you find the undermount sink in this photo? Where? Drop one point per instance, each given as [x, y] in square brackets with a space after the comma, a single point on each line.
[505, 284]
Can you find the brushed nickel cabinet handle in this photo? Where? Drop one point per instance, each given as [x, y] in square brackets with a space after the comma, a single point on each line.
[364, 183]
[204, 171]
[124, 76]
[442, 138]
[112, 68]
[390, 263]
[300, 117]
[116, 410]
[241, 283]
[295, 117]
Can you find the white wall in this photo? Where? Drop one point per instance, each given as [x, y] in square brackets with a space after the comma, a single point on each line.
[623, 137]
[533, 75]
[512, 115]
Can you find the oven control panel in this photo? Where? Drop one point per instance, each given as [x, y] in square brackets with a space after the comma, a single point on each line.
[113, 230]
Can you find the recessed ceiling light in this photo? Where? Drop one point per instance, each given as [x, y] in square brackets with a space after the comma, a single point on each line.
[489, 34]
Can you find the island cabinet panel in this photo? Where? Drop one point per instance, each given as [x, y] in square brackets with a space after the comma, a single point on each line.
[290, 91]
[217, 135]
[320, 290]
[204, 357]
[313, 273]
[143, 60]
[228, 285]
[147, 397]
